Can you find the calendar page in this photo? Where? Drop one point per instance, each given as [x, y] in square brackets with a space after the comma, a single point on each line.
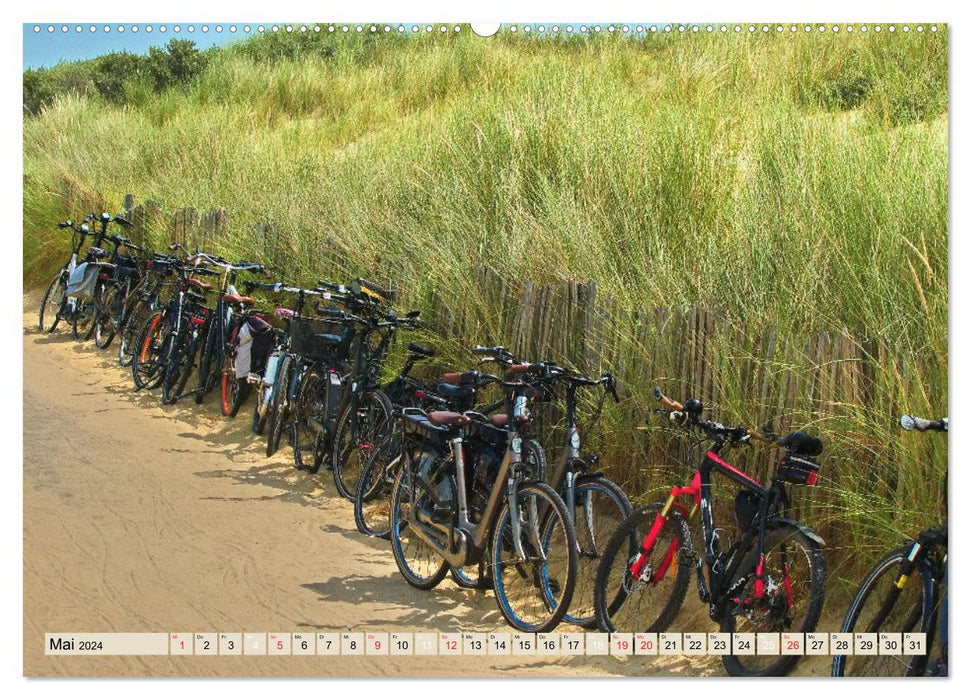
[535, 349]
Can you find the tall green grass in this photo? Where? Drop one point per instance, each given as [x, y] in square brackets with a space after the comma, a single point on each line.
[797, 181]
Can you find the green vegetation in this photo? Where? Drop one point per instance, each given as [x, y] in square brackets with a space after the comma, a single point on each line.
[793, 181]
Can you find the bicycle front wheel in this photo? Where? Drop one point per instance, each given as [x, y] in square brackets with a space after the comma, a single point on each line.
[793, 588]
[151, 349]
[534, 578]
[600, 506]
[308, 407]
[107, 313]
[648, 600]
[905, 614]
[278, 411]
[53, 304]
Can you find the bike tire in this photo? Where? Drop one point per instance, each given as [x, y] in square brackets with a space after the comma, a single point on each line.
[810, 594]
[235, 390]
[150, 351]
[534, 596]
[132, 322]
[278, 411]
[622, 604]
[309, 404]
[53, 303]
[601, 506]
[418, 563]
[374, 419]
[206, 356]
[906, 615]
[83, 321]
[372, 501]
[104, 324]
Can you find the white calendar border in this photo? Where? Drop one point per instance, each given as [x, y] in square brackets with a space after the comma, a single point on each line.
[439, 10]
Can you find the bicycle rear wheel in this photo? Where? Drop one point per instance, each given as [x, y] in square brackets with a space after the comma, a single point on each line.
[148, 361]
[534, 593]
[355, 437]
[650, 601]
[83, 323]
[279, 409]
[132, 324]
[372, 502]
[794, 579]
[308, 406]
[419, 563]
[906, 614]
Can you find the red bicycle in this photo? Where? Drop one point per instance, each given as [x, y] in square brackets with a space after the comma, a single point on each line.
[771, 580]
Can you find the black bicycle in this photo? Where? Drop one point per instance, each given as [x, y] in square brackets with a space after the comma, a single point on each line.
[906, 591]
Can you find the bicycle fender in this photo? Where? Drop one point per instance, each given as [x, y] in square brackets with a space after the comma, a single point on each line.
[804, 529]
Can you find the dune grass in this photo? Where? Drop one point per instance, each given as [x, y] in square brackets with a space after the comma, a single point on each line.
[793, 181]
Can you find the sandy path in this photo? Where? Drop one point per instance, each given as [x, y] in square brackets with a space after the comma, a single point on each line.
[147, 518]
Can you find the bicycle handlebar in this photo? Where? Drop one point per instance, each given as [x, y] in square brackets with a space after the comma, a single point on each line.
[909, 422]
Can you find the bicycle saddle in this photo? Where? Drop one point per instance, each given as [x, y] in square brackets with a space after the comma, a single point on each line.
[239, 299]
[199, 284]
[802, 443]
[448, 418]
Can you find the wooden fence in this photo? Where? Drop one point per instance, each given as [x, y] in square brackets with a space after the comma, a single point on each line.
[836, 383]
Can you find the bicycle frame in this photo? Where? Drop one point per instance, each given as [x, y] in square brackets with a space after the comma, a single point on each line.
[719, 571]
[465, 540]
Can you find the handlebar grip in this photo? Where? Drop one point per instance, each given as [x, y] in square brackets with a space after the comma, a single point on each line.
[452, 377]
[481, 350]
[666, 403]
[328, 311]
[371, 289]
[525, 368]
[66, 224]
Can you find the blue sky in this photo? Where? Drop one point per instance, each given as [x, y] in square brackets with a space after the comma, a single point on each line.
[46, 48]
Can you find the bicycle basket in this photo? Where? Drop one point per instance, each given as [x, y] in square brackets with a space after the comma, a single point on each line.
[798, 469]
[304, 340]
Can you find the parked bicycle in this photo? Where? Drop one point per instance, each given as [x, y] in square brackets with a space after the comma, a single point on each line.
[55, 304]
[596, 505]
[906, 591]
[519, 527]
[771, 580]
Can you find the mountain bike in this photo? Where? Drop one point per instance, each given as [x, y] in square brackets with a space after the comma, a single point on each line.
[518, 529]
[906, 591]
[96, 277]
[366, 416]
[285, 365]
[771, 580]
